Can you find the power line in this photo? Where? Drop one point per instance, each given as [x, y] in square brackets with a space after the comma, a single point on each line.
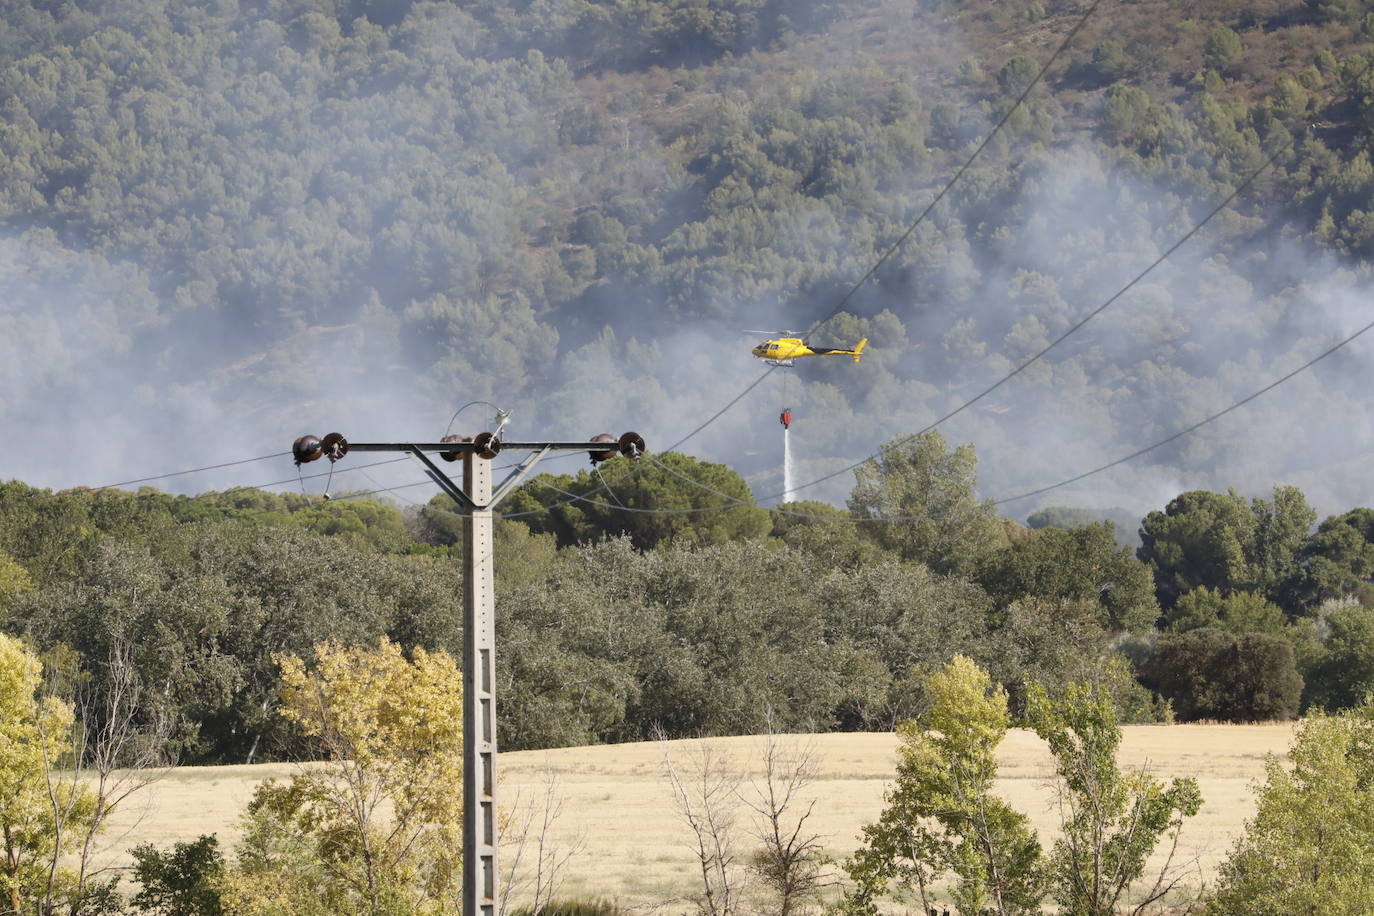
[1183, 432]
[737, 502]
[1064, 336]
[1020, 100]
[208, 467]
[901, 240]
[571, 497]
[944, 191]
[1273, 157]
[301, 477]
[1250, 179]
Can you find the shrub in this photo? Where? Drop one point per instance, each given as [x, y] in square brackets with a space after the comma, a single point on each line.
[1109, 61]
[577, 906]
[181, 882]
[1209, 674]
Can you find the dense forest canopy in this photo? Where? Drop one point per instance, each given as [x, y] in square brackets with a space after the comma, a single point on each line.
[619, 618]
[225, 224]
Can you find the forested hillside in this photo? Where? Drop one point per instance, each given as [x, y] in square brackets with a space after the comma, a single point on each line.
[234, 222]
[227, 223]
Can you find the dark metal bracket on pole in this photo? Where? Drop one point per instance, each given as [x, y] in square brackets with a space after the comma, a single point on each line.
[476, 497]
[485, 445]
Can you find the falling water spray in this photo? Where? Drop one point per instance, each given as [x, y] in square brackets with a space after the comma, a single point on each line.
[787, 479]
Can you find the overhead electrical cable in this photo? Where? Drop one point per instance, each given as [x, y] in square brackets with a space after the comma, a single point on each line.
[944, 191]
[208, 467]
[301, 477]
[1250, 179]
[1235, 405]
[585, 498]
[1074, 328]
[1185, 431]
[1272, 158]
[736, 502]
[893, 248]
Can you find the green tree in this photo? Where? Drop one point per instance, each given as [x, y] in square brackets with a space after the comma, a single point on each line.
[1239, 612]
[827, 533]
[1309, 849]
[1109, 61]
[1222, 50]
[1128, 114]
[1053, 641]
[1217, 540]
[1338, 10]
[941, 815]
[203, 606]
[1017, 74]
[1281, 527]
[1336, 560]
[1084, 563]
[1210, 674]
[1112, 820]
[928, 490]
[894, 624]
[662, 498]
[945, 124]
[14, 581]
[1201, 538]
[1343, 674]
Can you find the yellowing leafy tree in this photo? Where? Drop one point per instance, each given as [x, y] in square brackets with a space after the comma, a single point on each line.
[1308, 850]
[941, 815]
[377, 827]
[39, 814]
[1112, 820]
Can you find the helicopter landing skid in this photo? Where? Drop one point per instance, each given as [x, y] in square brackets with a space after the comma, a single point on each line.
[784, 363]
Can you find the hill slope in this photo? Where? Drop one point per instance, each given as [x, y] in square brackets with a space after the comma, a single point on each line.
[235, 224]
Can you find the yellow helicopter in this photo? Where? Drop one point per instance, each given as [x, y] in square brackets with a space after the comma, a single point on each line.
[784, 349]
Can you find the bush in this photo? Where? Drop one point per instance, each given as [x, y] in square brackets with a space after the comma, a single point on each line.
[181, 882]
[578, 906]
[1110, 62]
[1209, 674]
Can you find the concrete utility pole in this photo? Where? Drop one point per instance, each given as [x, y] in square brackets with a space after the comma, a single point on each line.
[477, 500]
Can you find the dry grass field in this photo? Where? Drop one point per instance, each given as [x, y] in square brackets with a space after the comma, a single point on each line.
[635, 849]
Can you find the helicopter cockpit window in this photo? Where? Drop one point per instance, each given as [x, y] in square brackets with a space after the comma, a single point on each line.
[772, 346]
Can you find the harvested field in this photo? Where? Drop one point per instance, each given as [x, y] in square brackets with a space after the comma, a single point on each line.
[635, 848]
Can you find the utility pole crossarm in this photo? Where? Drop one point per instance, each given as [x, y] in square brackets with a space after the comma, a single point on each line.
[467, 448]
[476, 497]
